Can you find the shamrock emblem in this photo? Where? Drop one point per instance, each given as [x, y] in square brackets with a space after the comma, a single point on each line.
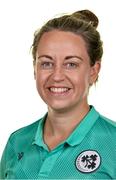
[88, 161]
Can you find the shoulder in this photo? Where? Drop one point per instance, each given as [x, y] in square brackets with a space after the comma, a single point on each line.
[108, 122]
[107, 126]
[24, 136]
[26, 129]
[103, 126]
[20, 140]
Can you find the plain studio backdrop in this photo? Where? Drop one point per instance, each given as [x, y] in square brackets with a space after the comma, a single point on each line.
[20, 103]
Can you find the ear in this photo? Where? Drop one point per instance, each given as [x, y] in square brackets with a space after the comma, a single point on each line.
[94, 72]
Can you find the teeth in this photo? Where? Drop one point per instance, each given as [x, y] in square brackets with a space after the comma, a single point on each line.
[58, 90]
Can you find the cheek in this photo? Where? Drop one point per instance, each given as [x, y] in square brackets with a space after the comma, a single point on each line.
[39, 86]
[81, 76]
[41, 79]
[81, 80]
[39, 82]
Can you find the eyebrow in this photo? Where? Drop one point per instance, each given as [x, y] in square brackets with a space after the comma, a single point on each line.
[66, 58]
[46, 56]
[75, 56]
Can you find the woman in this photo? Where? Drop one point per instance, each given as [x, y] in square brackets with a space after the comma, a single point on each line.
[72, 141]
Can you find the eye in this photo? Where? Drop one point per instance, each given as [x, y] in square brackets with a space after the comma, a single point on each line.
[46, 65]
[71, 65]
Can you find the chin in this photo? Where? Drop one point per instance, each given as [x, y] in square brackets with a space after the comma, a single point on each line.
[59, 110]
[60, 107]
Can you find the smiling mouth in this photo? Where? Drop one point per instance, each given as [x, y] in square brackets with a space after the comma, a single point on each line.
[59, 90]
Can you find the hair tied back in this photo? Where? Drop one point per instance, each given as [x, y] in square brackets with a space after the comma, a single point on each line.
[87, 16]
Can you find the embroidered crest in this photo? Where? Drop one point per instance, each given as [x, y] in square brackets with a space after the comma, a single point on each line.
[20, 155]
[88, 161]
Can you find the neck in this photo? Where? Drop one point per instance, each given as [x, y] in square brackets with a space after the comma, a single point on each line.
[61, 123]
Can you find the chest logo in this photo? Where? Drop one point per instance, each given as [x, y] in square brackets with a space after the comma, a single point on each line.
[88, 161]
[20, 155]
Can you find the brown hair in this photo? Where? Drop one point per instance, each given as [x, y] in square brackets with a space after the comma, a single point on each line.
[83, 23]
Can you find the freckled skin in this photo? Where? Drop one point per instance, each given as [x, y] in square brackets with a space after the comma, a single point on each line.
[57, 46]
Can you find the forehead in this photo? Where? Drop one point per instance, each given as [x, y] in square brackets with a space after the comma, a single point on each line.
[60, 41]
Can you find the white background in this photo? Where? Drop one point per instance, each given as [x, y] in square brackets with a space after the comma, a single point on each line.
[20, 104]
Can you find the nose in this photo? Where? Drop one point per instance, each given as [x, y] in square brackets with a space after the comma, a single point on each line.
[58, 74]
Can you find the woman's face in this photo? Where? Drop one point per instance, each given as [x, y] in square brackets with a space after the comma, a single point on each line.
[62, 70]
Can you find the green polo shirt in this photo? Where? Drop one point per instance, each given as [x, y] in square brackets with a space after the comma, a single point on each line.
[88, 153]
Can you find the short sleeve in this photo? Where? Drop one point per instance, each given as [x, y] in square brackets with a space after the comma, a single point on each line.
[7, 153]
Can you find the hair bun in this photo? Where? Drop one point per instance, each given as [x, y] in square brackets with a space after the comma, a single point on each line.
[88, 16]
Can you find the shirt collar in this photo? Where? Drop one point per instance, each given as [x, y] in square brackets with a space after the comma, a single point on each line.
[76, 136]
[83, 128]
[39, 133]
